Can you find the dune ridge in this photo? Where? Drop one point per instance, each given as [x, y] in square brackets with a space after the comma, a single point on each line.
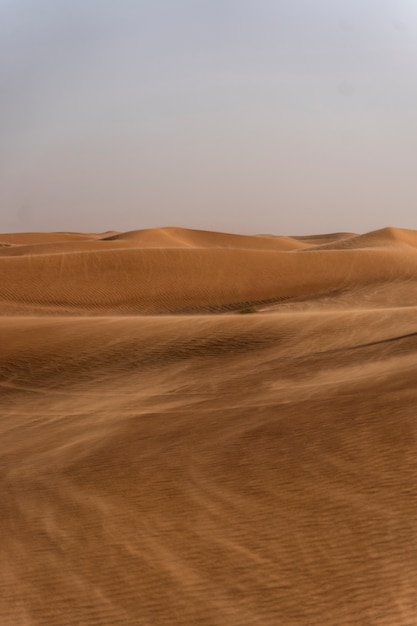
[125, 274]
[160, 467]
[385, 237]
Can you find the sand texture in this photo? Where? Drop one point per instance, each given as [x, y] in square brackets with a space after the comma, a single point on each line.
[167, 460]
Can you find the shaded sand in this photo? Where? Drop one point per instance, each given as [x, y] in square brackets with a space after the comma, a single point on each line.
[208, 468]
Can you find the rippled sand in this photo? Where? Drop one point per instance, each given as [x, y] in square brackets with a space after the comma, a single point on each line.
[166, 460]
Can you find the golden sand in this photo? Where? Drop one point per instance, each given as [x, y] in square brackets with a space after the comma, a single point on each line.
[166, 460]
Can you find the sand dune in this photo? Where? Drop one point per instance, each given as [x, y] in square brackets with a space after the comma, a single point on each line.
[207, 272]
[323, 238]
[144, 239]
[35, 238]
[385, 237]
[161, 468]
[182, 237]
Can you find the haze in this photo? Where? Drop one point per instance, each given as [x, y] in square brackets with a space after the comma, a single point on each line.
[234, 115]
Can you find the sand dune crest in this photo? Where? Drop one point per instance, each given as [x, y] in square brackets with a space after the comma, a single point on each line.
[197, 271]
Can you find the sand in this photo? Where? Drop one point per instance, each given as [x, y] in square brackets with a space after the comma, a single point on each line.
[166, 460]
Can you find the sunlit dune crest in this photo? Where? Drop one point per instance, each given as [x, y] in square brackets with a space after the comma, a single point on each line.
[167, 459]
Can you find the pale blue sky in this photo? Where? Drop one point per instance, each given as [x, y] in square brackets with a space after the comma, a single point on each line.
[238, 115]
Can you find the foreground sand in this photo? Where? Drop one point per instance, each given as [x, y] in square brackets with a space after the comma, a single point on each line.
[200, 467]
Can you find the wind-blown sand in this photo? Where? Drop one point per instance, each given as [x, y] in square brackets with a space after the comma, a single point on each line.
[166, 460]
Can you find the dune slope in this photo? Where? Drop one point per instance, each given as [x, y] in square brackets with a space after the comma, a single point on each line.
[204, 272]
[208, 469]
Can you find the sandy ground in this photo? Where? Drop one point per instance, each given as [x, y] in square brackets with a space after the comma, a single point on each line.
[166, 460]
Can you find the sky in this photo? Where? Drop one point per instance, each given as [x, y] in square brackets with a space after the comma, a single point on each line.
[249, 116]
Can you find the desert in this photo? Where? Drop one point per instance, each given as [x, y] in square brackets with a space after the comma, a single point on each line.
[204, 428]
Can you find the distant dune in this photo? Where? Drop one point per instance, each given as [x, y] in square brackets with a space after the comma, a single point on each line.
[175, 270]
[166, 460]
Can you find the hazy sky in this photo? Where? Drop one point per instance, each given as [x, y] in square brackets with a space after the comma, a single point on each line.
[253, 116]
